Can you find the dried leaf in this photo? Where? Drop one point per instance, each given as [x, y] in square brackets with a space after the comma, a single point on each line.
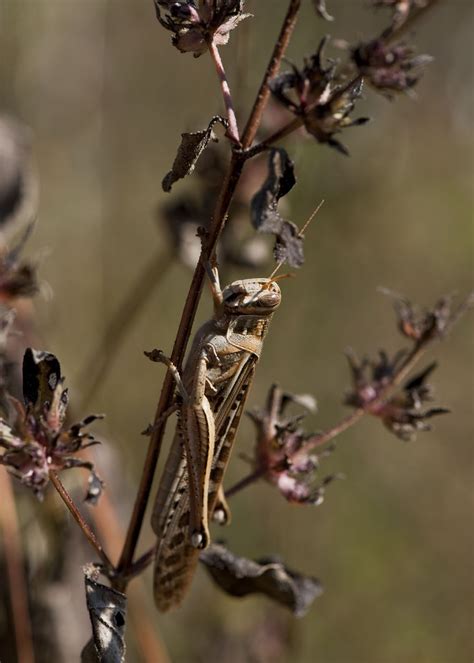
[41, 376]
[107, 611]
[265, 216]
[307, 401]
[191, 147]
[320, 7]
[239, 576]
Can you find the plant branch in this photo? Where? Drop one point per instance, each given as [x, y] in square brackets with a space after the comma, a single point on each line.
[229, 185]
[265, 144]
[272, 69]
[76, 514]
[233, 130]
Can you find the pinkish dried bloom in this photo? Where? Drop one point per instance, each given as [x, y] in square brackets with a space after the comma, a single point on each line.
[196, 24]
[281, 452]
[34, 440]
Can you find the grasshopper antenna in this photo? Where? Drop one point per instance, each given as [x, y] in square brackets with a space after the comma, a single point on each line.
[300, 235]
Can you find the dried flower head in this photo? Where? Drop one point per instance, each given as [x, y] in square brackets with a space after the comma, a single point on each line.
[196, 24]
[35, 441]
[389, 68]
[282, 451]
[427, 325]
[371, 376]
[401, 413]
[314, 94]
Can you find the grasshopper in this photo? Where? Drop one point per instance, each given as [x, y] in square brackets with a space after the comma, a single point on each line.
[213, 388]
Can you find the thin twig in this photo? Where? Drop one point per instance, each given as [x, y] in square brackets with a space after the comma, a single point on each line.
[245, 481]
[18, 588]
[76, 514]
[229, 185]
[265, 144]
[273, 67]
[233, 130]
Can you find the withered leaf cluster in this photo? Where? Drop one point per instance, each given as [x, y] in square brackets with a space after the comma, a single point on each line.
[239, 576]
[196, 24]
[322, 100]
[265, 215]
[34, 437]
[193, 209]
[283, 451]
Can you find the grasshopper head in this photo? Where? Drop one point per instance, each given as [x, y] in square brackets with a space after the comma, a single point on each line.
[252, 297]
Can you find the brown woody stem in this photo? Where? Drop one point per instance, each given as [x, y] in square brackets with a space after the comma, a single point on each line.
[76, 514]
[265, 144]
[273, 67]
[229, 185]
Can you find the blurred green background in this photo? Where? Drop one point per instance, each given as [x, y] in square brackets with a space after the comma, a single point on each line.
[106, 97]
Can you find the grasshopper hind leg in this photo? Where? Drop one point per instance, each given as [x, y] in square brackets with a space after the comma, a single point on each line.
[221, 514]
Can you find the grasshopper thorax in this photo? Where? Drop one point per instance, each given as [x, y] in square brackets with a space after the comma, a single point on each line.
[251, 297]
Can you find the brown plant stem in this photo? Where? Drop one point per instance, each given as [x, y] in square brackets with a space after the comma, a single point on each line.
[265, 144]
[233, 130]
[76, 514]
[192, 300]
[18, 588]
[273, 67]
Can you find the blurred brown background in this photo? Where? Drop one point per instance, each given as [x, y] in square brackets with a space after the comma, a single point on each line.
[106, 98]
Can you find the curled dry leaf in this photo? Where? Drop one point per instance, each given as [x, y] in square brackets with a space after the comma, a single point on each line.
[320, 7]
[108, 613]
[265, 215]
[239, 576]
[191, 147]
